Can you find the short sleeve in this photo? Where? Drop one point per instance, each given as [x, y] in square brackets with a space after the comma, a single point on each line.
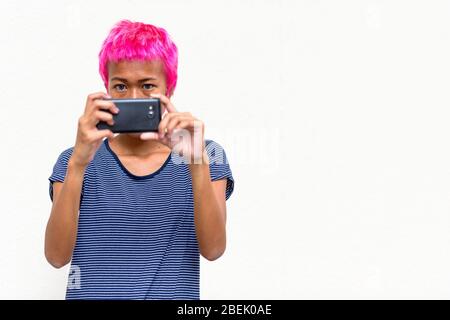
[218, 165]
[59, 169]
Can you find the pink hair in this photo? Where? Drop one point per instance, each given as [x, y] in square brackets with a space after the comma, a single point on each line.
[129, 40]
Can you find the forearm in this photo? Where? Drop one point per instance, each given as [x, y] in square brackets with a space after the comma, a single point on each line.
[62, 226]
[208, 216]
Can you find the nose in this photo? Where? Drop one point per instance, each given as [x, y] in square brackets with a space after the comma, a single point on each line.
[137, 94]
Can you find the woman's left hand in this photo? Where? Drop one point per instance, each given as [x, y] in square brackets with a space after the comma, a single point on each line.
[180, 131]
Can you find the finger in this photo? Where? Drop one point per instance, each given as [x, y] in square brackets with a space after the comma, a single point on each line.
[105, 105]
[94, 96]
[165, 101]
[163, 124]
[100, 134]
[165, 140]
[164, 127]
[188, 123]
[98, 95]
[186, 129]
[174, 123]
[149, 136]
[181, 132]
[102, 116]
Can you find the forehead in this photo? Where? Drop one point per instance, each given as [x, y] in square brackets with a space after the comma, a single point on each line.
[136, 69]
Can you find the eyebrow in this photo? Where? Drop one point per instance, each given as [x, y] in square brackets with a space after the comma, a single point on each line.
[125, 80]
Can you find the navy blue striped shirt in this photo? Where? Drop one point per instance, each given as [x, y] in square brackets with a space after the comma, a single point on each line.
[136, 235]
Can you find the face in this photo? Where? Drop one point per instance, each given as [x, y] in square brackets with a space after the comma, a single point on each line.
[135, 79]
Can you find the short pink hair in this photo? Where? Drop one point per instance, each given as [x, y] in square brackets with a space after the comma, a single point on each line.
[129, 40]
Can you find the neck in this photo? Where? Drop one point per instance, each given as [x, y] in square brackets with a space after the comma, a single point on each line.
[133, 145]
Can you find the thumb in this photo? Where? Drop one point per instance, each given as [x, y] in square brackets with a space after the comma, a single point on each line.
[149, 136]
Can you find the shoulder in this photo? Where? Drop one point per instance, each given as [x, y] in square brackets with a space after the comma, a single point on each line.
[212, 145]
[66, 152]
[65, 155]
[215, 151]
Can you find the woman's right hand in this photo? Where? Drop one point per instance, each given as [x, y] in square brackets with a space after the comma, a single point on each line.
[89, 137]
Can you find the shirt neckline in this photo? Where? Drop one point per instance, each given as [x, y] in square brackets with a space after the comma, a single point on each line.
[124, 169]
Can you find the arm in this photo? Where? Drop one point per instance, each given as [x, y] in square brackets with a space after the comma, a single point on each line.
[209, 211]
[61, 232]
[209, 197]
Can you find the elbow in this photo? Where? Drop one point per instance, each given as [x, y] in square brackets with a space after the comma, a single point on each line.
[212, 257]
[56, 261]
[57, 265]
[213, 254]
[57, 254]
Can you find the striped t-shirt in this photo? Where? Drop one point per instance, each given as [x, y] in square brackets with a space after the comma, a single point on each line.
[136, 235]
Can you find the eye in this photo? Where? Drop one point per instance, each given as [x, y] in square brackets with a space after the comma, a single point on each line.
[148, 86]
[120, 87]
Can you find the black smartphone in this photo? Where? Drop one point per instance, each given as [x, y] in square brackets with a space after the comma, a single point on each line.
[135, 115]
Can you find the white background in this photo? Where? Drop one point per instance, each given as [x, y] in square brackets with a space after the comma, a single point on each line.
[334, 116]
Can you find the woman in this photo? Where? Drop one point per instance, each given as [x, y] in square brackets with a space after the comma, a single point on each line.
[130, 216]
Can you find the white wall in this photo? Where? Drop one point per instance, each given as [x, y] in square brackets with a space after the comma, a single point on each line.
[333, 115]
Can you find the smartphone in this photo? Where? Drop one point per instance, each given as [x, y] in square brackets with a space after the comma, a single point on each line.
[135, 115]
